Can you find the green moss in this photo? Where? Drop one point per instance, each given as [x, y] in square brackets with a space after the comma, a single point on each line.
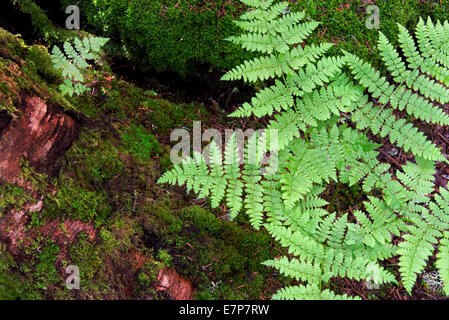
[24, 68]
[180, 35]
[13, 284]
[211, 251]
[40, 61]
[4, 88]
[166, 116]
[94, 159]
[12, 197]
[146, 278]
[165, 258]
[46, 272]
[88, 257]
[173, 35]
[12, 46]
[165, 161]
[140, 143]
[78, 203]
[346, 26]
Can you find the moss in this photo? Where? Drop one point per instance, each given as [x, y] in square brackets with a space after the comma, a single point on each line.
[181, 35]
[40, 61]
[78, 203]
[46, 272]
[140, 143]
[12, 197]
[146, 278]
[223, 259]
[24, 68]
[165, 161]
[166, 116]
[346, 26]
[9, 75]
[123, 96]
[12, 46]
[87, 256]
[13, 284]
[108, 266]
[165, 258]
[173, 35]
[94, 159]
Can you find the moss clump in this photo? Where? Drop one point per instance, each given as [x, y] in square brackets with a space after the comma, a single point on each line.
[11, 46]
[78, 203]
[140, 143]
[180, 35]
[9, 94]
[223, 259]
[88, 257]
[144, 286]
[24, 68]
[173, 35]
[344, 23]
[13, 284]
[39, 61]
[123, 99]
[108, 266]
[46, 272]
[12, 197]
[94, 159]
[42, 24]
[166, 116]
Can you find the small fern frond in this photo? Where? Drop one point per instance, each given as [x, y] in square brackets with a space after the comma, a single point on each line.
[303, 271]
[309, 292]
[73, 62]
[415, 250]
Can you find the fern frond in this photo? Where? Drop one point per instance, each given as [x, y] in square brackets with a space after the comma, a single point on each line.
[303, 271]
[73, 62]
[311, 96]
[412, 78]
[415, 60]
[405, 135]
[262, 68]
[414, 251]
[309, 292]
[266, 101]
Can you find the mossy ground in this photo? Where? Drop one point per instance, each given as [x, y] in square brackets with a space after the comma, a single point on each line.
[108, 179]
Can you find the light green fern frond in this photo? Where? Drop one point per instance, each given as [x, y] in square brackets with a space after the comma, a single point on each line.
[309, 292]
[73, 61]
[415, 250]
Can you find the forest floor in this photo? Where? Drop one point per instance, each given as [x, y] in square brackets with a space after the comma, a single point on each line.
[140, 228]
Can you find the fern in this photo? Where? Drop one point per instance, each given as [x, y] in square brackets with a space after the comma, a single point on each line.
[310, 97]
[416, 86]
[73, 61]
[310, 292]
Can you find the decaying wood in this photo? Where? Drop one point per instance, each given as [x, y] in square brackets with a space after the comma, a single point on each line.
[177, 287]
[40, 134]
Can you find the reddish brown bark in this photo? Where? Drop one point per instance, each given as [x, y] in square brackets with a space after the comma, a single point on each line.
[40, 135]
[175, 285]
